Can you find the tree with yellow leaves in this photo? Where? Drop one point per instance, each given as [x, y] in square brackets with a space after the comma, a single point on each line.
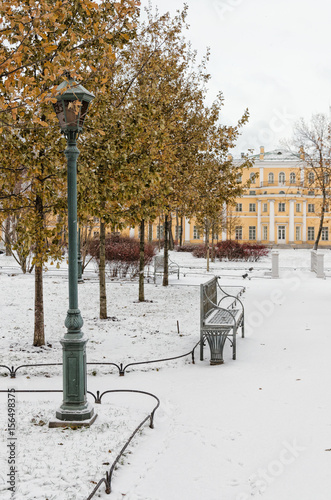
[42, 41]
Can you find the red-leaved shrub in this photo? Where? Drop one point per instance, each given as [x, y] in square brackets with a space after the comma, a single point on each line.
[233, 250]
[254, 252]
[200, 251]
[122, 255]
[187, 248]
[229, 250]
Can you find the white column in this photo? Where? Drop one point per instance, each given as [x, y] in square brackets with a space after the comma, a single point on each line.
[271, 221]
[291, 222]
[259, 220]
[261, 176]
[187, 231]
[304, 221]
[131, 232]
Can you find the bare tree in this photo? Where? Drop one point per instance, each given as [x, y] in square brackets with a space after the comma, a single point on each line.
[312, 144]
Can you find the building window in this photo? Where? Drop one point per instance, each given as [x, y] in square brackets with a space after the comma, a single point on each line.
[326, 179]
[311, 233]
[271, 178]
[326, 207]
[281, 207]
[239, 207]
[298, 233]
[292, 178]
[239, 178]
[265, 207]
[311, 207]
[252, 193]
[178, 232]
[281, 178]
[159, 231]
[281, 233]
[252, 233]
[264, 232]
[325, 234]
[252, 177]
[239, 233]
[252, 207]
[196, 234]
[298, 207]
[311, 177]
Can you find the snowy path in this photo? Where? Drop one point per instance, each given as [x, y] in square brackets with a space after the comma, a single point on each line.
[258, 426]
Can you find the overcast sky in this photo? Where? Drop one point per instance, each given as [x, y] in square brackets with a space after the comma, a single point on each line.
[270, 56]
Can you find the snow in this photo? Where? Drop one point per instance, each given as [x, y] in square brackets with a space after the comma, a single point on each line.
[257, 427]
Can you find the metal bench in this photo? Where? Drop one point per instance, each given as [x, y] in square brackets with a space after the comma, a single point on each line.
[221, 314]
[173, 268]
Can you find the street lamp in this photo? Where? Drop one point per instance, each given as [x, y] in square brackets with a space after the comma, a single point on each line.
[71, 108]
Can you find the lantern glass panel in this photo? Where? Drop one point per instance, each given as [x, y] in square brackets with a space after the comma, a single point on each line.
[84, 108]
[58, 108]
[73, 112]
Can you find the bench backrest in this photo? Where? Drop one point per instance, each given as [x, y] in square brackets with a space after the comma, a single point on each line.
[208, 297]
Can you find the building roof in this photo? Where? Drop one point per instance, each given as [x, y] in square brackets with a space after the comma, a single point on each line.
[278, 154]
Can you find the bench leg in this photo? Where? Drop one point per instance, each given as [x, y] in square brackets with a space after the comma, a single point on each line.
[243, 327]
[201, 346]
[234, 344]
[216, 341]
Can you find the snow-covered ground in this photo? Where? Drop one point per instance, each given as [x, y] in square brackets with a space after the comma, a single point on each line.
[257, 427]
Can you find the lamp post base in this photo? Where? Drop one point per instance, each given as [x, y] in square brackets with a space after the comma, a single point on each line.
[72, 423]
[75, 412]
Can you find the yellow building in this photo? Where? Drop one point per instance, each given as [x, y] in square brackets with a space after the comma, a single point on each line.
[282, 207]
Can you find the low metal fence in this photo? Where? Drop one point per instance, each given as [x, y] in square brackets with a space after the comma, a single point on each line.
[121, 367]
[97, 399]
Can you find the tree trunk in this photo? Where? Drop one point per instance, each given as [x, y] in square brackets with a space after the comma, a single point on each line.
[177, 228]
[159, 234]
[315, 247]
[171, 237]
[7, 237]
[166, 253]
[102, 271]
[39, 330]
[207, 245]
[181, 231]
[142, 262]
[212, 243]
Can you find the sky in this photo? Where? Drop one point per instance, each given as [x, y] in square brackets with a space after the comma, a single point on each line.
[271, 57]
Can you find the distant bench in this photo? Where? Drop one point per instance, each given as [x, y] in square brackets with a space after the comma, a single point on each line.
[221, 314]
[173, 268]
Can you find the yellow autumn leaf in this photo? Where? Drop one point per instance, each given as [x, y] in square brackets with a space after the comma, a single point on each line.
[50, 48]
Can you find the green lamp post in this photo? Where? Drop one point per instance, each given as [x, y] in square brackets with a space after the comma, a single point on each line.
[71, 108]
[79, 258]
